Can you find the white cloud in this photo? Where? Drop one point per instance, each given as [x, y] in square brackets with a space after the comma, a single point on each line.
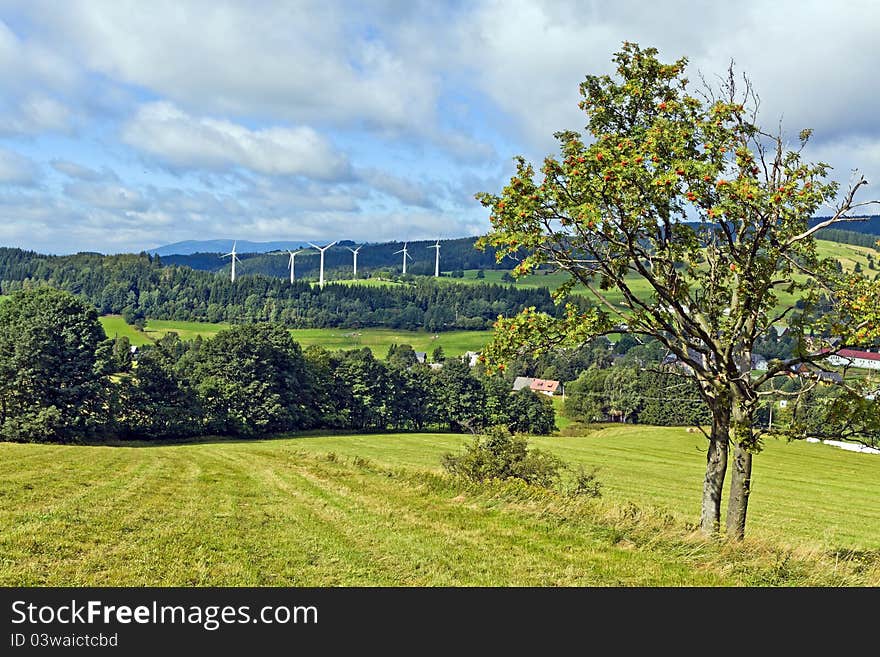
[80, 172]
[26, 63]
[409, 192]
[184, 141]
[15, 169]
[381, 119]
[181, 140]
[304, 61]
[107, 197]
[35, 115]
[851, 157]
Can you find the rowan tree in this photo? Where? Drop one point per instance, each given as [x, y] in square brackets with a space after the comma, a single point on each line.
[678, 191]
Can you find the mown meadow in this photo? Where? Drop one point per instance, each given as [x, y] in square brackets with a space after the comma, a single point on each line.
[378, 510]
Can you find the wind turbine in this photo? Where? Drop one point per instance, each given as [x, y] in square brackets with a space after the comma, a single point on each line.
[290, 263]
[355, 253]
[321, 276]
[405, 256]
[436, 259]
[234, 258]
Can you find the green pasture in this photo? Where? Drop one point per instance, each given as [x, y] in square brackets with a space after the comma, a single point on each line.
[454, 343]
[377, 510]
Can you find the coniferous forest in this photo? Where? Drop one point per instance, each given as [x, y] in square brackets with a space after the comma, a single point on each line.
[141, 287]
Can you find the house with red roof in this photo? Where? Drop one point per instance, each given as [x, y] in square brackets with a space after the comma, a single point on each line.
[544, 386]
[868, 360]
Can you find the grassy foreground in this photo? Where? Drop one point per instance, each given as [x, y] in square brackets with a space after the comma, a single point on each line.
[375, 510]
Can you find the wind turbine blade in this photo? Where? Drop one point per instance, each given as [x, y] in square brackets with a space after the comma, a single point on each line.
[331, 244]
[315, 246]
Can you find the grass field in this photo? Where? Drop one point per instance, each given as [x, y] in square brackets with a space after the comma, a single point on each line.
[374, 510]
[115, 327]
[454, 343]
[847, 254]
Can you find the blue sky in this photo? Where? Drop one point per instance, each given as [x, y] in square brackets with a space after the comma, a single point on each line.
[126, 125]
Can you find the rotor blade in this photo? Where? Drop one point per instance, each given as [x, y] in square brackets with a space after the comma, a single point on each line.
[331, 244]
[315, 246]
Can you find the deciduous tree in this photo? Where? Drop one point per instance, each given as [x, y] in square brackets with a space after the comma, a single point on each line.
[51, 386]
[678, 191]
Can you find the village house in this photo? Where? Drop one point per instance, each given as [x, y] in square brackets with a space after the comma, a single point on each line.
[544, 386]
[868, 360]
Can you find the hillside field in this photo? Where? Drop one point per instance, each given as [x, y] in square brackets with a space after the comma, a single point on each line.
[847, 254]
[454, 343]
[376, 510]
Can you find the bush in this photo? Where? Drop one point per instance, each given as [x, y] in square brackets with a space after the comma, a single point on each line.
[500, 455]
[586, 483]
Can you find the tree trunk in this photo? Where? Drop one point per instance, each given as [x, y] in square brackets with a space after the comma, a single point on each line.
[716, 467]
[740, 487]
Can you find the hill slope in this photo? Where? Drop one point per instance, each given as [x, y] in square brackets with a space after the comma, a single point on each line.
[313, 511]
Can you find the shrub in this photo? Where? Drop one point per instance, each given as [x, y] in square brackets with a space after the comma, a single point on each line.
[500, 455]
[586, 483]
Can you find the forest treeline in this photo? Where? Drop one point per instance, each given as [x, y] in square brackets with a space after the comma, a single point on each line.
[850, 237]
[62, 380]
[140, 287]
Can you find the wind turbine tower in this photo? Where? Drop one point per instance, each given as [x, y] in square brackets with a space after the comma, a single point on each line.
[321, 275]
[290, 264]
[355, 254]
[405, 256]
[234, 257]
[436, 259]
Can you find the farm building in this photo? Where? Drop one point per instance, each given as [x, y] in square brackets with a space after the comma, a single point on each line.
[545, 386]
[868, 360]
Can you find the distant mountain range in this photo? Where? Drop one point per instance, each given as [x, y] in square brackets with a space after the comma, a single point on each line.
[189, 247]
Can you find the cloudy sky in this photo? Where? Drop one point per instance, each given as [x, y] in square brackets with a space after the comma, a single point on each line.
[127, 124]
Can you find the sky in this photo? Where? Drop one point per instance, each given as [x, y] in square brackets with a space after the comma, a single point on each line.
[125, 125]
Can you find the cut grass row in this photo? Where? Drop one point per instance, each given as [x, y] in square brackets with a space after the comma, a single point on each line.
[374, 510]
